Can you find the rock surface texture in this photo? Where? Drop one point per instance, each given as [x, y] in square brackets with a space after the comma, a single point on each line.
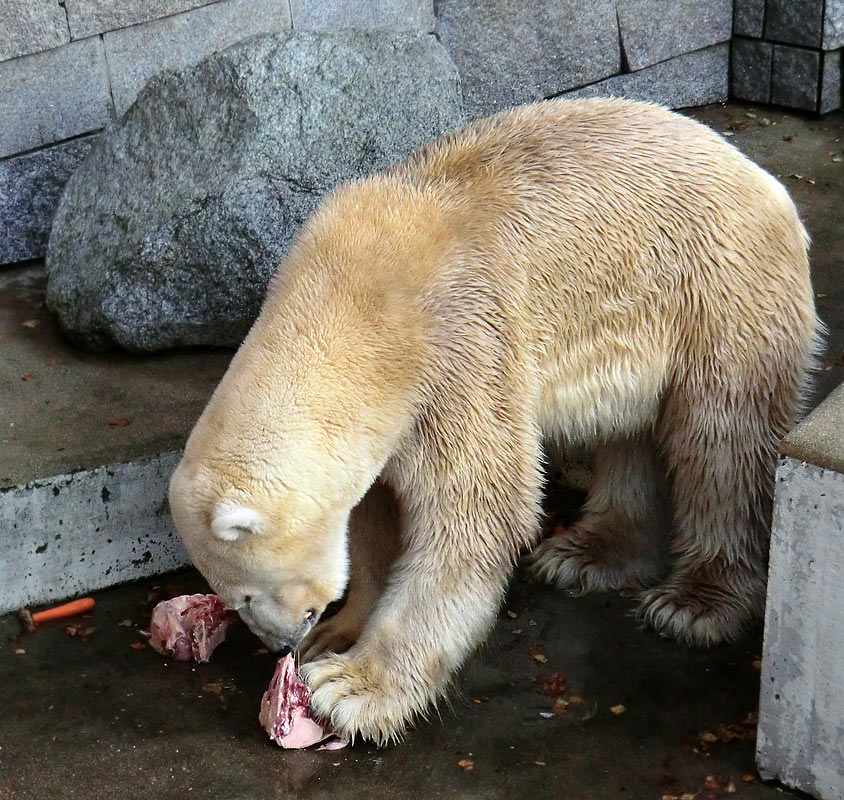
[169, 231]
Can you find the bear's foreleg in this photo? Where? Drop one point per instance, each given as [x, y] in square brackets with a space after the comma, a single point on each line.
[470, 499]
[619, 539]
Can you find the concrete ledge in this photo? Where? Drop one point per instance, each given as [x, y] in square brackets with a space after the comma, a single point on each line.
[801, 708]
[87, 530]
[819, 439]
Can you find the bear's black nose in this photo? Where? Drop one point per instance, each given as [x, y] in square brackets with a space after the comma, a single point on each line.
[284, 650]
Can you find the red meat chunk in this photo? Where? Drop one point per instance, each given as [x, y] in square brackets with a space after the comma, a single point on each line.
[190, 626]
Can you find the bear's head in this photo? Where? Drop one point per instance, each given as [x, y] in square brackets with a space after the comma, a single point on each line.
[273, 553]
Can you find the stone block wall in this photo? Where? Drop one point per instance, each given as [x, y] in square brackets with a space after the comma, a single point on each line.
[789, 53]
[70, 67]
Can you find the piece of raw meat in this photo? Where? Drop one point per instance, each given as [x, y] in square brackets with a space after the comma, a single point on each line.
[190, 626]
[284, 711]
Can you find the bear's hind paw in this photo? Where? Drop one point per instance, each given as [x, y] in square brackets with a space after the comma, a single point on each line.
[581, 562]
[700, 616]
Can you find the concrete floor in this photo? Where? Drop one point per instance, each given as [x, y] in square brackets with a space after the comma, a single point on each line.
[90, 716]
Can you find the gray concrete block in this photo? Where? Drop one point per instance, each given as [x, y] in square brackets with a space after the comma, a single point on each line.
[832, 91]
[654, 31]
[801, 709]
[89, 17]
[794, 22]
[50, 96]
[74, 533]
[329, 15]
[136, 54]
[794, 77]
[748, 17]
[27, 27]
[693, 79]
[30, 188]
[750, 70]
[510, 52]
[833, 25]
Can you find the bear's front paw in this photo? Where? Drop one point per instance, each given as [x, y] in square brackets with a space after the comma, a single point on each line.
[356, 699]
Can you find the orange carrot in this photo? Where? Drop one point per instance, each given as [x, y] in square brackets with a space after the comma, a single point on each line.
[71, 609]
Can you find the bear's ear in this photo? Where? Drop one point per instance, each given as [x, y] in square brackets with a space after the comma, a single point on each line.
[231, 521]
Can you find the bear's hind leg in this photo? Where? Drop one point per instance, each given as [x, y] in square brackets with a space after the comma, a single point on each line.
[618, 540]
[720, 452]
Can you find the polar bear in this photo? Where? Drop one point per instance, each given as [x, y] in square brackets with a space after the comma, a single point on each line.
[597, 272]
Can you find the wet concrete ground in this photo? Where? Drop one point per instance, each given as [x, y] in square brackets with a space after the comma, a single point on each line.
[91, 716]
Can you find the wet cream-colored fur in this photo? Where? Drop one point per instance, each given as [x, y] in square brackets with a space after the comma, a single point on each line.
[595, 271]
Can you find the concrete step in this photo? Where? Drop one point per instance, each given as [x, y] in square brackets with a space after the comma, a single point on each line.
[801, 709]
[87, 445]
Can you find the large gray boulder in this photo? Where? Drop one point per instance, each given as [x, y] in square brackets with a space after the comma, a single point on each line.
[169, 231]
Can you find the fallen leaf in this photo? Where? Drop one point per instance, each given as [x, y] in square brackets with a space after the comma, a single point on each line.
[688, 796]
[730, 788]
[836, 159]
[618, 710]
[118, 422]
[708, 736]
[576, 700]
[466, 764]
[711, 782]
[71, 630]
[28, 377]
[538, 763]
[30, 323]
[740, 125]
[757, 662]
[534, 651]
[764, 122]
[125, 623]
[85, 633]
[749, 777]
[138, 646]
[213, 687]
[560, 706]
[19, 651]
[727, 733]
[788, 138]
[512, 614]
[554, 685]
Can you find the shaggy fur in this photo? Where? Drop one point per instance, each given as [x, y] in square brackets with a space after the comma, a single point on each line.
[595, 271]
